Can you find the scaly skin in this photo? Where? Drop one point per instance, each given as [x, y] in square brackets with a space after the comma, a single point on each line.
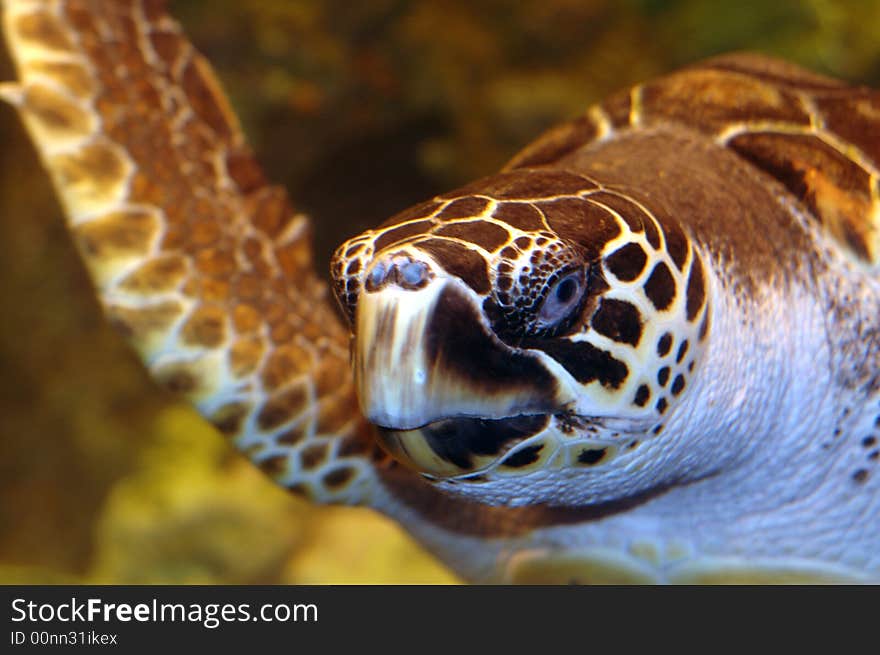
[748, 229]
[203, 265]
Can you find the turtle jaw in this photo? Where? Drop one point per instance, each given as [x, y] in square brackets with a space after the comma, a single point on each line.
[426, 355]
[460, 447]
[448, 396]
[454, 402]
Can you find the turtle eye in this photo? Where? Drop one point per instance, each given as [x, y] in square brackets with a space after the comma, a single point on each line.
[561, 299]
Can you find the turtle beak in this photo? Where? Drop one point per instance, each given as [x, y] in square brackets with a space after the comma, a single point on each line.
[427, 354]
[449, 397]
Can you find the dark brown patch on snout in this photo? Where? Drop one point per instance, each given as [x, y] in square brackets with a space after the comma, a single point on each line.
[458, 342]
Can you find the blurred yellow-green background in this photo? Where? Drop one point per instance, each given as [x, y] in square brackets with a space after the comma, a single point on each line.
[359, 108]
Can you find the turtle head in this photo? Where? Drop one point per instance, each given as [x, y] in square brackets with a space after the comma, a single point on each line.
[530, 325]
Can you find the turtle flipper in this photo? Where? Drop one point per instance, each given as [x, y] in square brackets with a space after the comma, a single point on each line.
[202, 264]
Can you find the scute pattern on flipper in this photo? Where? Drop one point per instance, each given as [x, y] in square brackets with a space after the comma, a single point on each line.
[205, 268]
[816, 136]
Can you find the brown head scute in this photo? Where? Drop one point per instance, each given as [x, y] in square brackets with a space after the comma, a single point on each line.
[661, 287]
[589, 225]
[520, 215]
[696, 291]
[676, 241]
[618, 320]
[396, 235]
[488, 236]
[467, 207]
[636, 219]
[627, 263]
[459, 260]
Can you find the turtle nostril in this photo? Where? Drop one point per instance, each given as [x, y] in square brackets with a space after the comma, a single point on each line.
[376, 277]
[401, 270]
[412, 275]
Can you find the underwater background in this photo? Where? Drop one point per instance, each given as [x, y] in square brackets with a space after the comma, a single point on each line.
[359, 109]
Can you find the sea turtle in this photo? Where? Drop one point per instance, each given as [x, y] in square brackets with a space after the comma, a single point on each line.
[648, 350]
